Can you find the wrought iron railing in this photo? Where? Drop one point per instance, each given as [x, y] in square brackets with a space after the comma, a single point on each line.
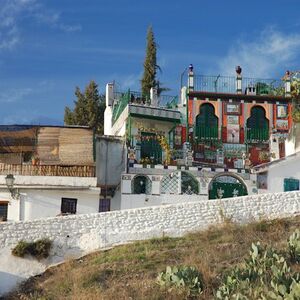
[206, 133]
[227, 84]
[254, 135]
[133, 97]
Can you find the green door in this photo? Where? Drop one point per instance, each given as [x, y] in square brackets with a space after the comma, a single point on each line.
[150, 147]
[220, 190]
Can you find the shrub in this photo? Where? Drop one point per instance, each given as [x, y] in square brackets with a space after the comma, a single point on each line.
[264, 275]
[184, 278]
[39, 249]
[294, 246]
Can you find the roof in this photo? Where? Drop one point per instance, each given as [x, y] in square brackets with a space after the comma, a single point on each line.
[258, 98]
[264, 167]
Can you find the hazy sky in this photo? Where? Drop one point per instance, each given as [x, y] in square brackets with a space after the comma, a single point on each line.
[49, 47]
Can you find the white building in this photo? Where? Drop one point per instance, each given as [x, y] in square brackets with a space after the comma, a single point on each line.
[36, 197]
[280, 175]
[47, 171]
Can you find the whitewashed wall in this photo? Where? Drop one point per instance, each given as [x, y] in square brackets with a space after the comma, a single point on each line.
[39, 203]
[289, 168]
[81, 234]
[98, 230]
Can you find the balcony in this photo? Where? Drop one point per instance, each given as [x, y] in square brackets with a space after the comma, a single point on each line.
[47, 170]
[142, 104]
[227, 85]
[257, 135]
[206, 133]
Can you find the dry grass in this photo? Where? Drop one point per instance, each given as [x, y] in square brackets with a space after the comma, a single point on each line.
[130, 271]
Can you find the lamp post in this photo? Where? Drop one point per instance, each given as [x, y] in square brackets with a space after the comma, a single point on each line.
[10, 180]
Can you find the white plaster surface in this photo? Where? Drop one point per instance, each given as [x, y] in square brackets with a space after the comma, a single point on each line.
[21, 180]
[38, 204]
[80, 234]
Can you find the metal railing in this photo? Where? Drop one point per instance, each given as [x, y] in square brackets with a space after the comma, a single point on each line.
[132, 97]
[227, 85]
[206, 133]
[254, 135]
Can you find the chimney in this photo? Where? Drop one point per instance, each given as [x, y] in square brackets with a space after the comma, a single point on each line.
[238, 70]
[109, 94]
[191, 78]
[153, 97]
[287, 84]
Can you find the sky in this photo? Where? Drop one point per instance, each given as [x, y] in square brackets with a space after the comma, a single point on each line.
[49, 47]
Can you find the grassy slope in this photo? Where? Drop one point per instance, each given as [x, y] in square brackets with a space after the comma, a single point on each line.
[129, 271]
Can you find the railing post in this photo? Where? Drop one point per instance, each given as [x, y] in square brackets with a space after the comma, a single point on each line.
[238, 70]
[287, 84]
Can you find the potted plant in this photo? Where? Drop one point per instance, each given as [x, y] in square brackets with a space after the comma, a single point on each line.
[34, 159]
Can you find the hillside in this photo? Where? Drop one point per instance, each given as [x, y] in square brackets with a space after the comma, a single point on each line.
[130, 271]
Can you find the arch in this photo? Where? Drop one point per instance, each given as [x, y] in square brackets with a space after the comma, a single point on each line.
[141, 184]
[207, 122]
[189, 184]
[257, 118]
[227, 185]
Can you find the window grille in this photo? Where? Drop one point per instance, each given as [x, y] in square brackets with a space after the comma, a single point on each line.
[68, 205]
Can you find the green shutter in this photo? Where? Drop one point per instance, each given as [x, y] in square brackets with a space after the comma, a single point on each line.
[291, 184]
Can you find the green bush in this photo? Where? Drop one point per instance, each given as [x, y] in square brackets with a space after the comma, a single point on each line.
[294, 246]
[264, 275]
[183, 278]
[39, 249]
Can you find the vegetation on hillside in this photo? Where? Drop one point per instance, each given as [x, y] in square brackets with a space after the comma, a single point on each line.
[213, 264]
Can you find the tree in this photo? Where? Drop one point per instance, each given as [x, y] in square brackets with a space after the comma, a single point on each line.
[150, 66]
[88, 108]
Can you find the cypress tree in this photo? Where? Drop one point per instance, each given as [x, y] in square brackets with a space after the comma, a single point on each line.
[150, 66]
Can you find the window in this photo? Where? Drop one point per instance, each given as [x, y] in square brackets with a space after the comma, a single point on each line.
[68, 205]
[3, 212]
[291, 184]
[104, 205]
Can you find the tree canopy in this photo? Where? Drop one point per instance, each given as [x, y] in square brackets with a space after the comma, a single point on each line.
[88, 108]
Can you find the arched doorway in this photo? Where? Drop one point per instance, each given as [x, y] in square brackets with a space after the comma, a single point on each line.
[189, 184]
[141, 185]
[207, 122]
[226, 185]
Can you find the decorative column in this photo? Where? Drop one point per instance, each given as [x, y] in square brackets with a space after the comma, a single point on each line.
[238, 70]
[153, 97]
[287, 84]
[191, 78]
[190, 89]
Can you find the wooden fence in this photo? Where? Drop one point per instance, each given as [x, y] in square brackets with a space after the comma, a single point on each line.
[47, 170]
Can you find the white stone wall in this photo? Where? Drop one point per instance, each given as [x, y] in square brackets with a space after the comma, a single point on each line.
[92, 231]
[80, 234]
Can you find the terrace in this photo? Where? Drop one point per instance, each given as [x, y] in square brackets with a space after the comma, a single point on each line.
[227, 85]
[142, 103]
